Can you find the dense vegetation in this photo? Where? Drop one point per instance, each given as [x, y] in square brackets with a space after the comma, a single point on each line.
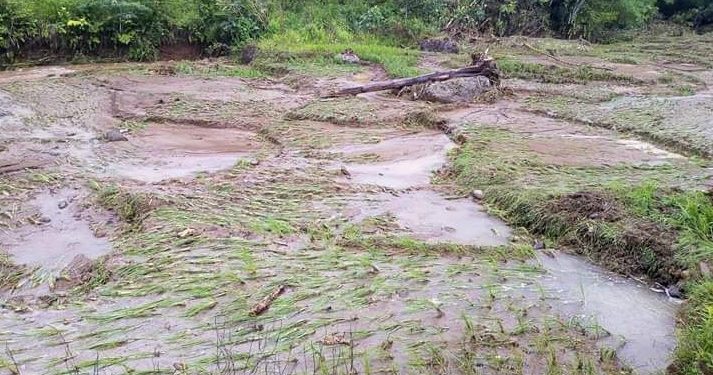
[138, 28]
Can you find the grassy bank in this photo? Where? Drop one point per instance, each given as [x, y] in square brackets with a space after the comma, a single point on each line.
[640, 221]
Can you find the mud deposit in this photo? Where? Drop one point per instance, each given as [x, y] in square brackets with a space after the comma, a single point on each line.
[258, 228]
[59, 235]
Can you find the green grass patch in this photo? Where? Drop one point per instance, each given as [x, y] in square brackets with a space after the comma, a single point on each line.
[513, 68]
[397, 61]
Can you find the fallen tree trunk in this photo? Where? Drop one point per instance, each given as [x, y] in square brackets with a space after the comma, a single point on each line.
[483, 67]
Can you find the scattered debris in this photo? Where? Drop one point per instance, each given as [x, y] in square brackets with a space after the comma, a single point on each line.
[334, 339]
[267, 301]
[186, 233]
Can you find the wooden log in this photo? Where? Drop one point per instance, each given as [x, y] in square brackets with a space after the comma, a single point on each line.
[484, 68]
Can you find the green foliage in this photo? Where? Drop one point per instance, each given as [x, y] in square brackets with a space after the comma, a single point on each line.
[694, 354]
[132, 28]
[696, 13]
[137, 29]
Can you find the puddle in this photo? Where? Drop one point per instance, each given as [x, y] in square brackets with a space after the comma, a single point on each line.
[53, 245]
[174, 167]
[643, 320]
[166, 151]
[411, 160]
[430, 217]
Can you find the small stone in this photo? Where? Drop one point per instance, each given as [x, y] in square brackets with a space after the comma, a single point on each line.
[255, 162]
[539, 245]
[45, 220]
[674, 291]
[477, 194]
[62, 205]
[114, 135]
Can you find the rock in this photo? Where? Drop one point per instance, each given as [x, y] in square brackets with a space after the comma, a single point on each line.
[477, 194]
[62, 205]
[539, 245]
[675, 291]
[345, 172]
[348, 57]
[439, 45]
[456, 90]
[3, 148]
[45, 220]
[705, 269]
[114, 135]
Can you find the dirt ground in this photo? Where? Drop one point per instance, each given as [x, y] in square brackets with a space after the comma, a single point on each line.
[162, 222]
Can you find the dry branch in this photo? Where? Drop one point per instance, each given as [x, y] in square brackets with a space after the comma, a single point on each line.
[267, 301]
[481, 67]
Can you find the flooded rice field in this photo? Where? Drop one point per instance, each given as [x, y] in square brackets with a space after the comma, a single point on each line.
[177, 223]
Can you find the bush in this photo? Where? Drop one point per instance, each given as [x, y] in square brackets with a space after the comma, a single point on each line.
[132, 28]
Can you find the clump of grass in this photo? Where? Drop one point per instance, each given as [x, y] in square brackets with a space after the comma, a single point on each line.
[423, 119]
[694, 354]
[695, 217]
[555, 74]
[10, 273]
[130, 207]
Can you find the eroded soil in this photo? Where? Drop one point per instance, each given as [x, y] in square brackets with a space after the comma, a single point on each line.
[243, 225]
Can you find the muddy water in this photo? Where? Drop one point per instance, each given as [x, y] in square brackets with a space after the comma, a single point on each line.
[60, 236]
[408, 161]
[641, 323]
[431, 217]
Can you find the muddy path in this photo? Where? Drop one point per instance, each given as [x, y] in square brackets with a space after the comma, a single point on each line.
[180, 223]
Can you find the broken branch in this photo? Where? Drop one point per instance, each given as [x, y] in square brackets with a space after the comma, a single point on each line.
[267, 301]
[485, 67]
